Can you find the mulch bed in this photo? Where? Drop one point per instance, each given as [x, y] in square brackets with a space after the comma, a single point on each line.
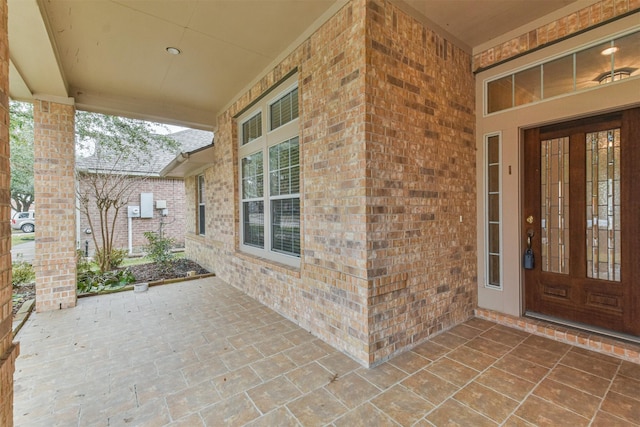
[143, 273]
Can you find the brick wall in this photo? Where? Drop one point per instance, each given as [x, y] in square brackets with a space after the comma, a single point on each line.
[170, 190]
[54, 162]
[8, 349]
[421, 225]
[587, 17]
[387, 169]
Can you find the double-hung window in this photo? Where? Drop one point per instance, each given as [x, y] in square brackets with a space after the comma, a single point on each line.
[269, 155]
[201, 206]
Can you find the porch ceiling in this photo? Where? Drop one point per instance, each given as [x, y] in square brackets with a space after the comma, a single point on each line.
[109, 55]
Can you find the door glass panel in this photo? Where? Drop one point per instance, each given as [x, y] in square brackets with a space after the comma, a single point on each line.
[555, 205]
[603, 205]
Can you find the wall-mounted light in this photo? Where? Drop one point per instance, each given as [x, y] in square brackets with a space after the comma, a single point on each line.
[173, 50]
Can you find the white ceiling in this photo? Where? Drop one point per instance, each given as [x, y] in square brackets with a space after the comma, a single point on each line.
[109, 55]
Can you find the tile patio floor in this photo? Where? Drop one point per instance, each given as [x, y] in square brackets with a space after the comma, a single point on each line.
[202, 353]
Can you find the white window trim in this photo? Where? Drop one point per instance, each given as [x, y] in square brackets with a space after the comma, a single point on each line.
[485, 216]
[268, 139]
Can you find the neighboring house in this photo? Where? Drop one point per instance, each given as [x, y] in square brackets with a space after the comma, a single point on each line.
[164, 197]
[377, 186]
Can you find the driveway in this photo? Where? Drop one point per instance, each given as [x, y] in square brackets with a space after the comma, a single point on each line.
[24, 252]
[202, 353]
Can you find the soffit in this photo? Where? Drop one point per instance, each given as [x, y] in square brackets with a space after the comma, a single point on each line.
[109, 55]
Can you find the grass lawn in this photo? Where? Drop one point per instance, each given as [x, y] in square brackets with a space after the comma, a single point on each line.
[20, 237]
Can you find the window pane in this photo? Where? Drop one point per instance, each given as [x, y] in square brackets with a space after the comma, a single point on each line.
[603, 205]
[285, 109]
[591, 65]
[554, 170]
[252, 176]
[284, 174]
[285, 227]
[493, 210]
[201, 219]
[252, 129]
[627, 56]
[253, 223]
[527, 86]
[500, 94]
[558, 77]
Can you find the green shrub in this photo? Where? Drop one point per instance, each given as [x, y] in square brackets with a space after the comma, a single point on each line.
[116, 257]
[22, 273]
[159, 248]
[91, 279]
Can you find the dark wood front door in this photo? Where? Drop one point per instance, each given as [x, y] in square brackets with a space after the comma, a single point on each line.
[581, 200]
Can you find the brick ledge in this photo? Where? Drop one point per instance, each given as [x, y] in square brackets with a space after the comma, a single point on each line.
[590, 341]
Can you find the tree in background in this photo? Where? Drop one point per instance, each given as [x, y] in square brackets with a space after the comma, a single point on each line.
[21, 146]
[111, 150]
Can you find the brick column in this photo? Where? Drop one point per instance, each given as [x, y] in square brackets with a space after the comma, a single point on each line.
[8, 349]
[54, 153]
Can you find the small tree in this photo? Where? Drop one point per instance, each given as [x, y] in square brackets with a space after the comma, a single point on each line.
[114, 150]
[21, 145]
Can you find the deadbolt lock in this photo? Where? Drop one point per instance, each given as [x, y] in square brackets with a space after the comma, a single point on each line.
[530, 219]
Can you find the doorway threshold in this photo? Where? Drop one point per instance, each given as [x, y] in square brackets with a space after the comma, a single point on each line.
[621, 346]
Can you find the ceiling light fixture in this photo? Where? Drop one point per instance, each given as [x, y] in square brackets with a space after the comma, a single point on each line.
[173, 50]
[610, 50]
[618, 74]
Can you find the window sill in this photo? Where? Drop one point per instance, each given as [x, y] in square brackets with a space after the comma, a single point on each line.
[270, 264]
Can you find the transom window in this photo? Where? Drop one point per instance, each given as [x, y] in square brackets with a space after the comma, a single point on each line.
[269, 155]
[604, 63]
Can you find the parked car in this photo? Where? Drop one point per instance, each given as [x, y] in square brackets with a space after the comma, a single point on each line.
[25, 221]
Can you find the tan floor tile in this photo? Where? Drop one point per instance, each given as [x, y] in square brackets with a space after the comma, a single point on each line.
[409, 362]
[502, 337]
[626, 386]
[478, 323]
[515, 421]
[543, 413]
[595, 355]
[622, 406]
[234, 411]
[454, 413]
[382, 376]
[310, 377]
[488, 347]
[427, 385]
[365, 415]
[273, 346]
[604, 419]
[192, 399]
[465, 331]
[317, 408]
[431, 350]
[471, 358]
[242, 357]
[537, 355]
[281, 417]
[159, 386]
[505, 383]
[452, 371]
[630, 370]
[512, 331]
[175, 361]
[236, 381]
[274, 393]
[580, 380]
[568, 397]
[449, 340]
[151, 414]
[352, 389]
[273, 366]
[199, 371]
[490, 403]
[402, 405]
[193, 420]
[303, 354]
[299, 336]
[548, 344]
[339, 363]
[523, 368]
[589, 364]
